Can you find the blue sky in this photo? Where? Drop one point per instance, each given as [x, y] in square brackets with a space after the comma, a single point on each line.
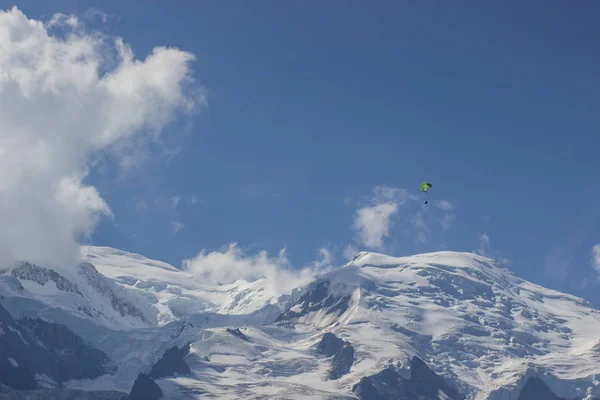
[310, 106]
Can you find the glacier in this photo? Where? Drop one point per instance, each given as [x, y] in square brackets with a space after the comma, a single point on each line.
[371, 328]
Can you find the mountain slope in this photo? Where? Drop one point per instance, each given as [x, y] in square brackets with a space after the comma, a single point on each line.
[446, 324]
[176, 294]
[476, 323]
[35, 353]
[122, 291]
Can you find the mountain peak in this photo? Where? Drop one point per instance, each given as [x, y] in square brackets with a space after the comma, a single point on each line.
[454, 258]
[472, 322]
[109, 255]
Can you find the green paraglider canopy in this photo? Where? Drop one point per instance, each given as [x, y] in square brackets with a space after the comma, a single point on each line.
[425, 186]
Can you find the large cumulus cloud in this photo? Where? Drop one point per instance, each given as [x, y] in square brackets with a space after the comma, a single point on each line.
[67, 96]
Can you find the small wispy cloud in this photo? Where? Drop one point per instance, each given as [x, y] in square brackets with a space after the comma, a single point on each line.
[444, 205]
[557, 263]
[324, 261]
[447, 221]
[60, 20]
[260, 191]
[505, 261]
[373, 223]
[163, 203]
[174, 201]
[484, 245]
[596, 258]
[176, 226]
[421, 238]
[386, 194]
[350, 252]
[140, 206]
[589, 282]
[485, 249]
[421, 228]
[563, 255]
[94, 12]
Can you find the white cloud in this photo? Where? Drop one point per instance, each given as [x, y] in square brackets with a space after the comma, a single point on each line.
[176, 226]
[484, 244]
[59, 20]
[596, 258]
[557, 263]
[325, 260]
[162, 204]
[420, 228]
[233, 264]
[586, 282]
[374, 218]
[386, 194]
[141, 206]
[562, 256]
[486, 250]
[93, 12]
[445, 205]
[65, 100]
[175, 201]
[350, 252]
[505, 261]
[373, 223]
[447, 221]
[419, 221]
[421, 237]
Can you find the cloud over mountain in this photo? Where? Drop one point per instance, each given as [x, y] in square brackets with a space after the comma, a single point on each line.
[68, 96]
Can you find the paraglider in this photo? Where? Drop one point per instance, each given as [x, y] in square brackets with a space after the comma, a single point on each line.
[424, 187]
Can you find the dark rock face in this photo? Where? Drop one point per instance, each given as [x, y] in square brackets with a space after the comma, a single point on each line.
[70, 356]
[342, 362]
[316, 298]
[171, 363]
[41, 275]
[237, 333]
[15, 355]
[385, 385]
[330, 344]
[342, 352]
[106, 288]
[33, 346]
[388, 385]
[535, 389]
[427, 382]
[144, 388]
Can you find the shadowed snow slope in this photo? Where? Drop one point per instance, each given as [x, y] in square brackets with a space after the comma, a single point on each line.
[481, 331]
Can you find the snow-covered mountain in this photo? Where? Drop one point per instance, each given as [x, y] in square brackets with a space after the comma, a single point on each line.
[444, 325]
